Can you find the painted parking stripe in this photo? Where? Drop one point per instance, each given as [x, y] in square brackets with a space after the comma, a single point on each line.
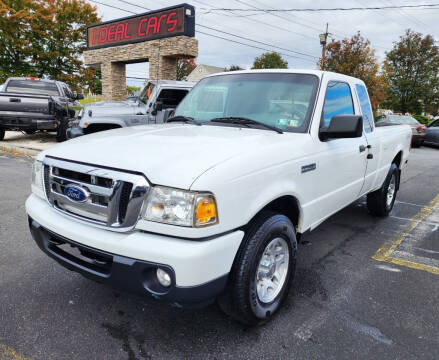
[395, 252]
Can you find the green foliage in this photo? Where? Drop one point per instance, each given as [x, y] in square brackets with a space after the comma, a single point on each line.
[132, 89]
[422, 119]
[90, 99]
[185, 67]
[411, 70]
[45, 38]
[233, 68]
[270, 60]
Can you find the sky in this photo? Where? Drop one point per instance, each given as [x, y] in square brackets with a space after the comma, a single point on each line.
[291, 31]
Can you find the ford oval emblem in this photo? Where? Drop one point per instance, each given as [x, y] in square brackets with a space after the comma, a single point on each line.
[76, 193]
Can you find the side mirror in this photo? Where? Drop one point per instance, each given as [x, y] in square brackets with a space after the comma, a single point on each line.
[169, 113]
[343, 126]
[158, 106]
[79, 96]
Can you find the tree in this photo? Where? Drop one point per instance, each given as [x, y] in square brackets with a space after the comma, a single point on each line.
[270, 60]
[411, 70]
[233, 68]
[355, 57]
[131, 90]
[185, 67]
[45, 38]
[15, 38]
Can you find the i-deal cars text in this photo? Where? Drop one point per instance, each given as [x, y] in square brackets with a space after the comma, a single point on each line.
[210, 205]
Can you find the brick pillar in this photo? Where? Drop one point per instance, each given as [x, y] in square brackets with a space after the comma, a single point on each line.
[113, 81]
[164, 68]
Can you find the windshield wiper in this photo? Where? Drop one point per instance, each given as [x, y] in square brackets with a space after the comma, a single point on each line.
[245, 121]
[185, 119]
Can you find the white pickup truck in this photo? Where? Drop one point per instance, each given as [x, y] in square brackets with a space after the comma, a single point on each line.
[210, 205]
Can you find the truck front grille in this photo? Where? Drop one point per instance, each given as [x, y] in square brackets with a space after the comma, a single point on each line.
[112, 198]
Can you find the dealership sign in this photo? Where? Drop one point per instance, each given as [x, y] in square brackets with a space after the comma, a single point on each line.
[173, 21]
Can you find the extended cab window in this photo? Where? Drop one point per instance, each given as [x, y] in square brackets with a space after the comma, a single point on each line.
[338, 101]
[170, 98]
[366, 109]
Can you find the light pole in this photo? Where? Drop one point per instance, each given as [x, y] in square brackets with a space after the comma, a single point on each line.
[323, 40]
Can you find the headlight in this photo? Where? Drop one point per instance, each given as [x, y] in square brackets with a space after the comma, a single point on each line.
[37, 176]
[180, 207]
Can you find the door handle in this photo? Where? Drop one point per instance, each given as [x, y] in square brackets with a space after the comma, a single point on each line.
[362, 148]
[14, 100]
[369, 156]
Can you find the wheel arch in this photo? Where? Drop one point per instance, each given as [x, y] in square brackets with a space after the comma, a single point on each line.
[287, 205]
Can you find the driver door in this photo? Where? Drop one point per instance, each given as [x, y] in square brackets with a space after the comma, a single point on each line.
[340, 163]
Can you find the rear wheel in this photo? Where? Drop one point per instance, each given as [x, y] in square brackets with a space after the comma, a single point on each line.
[381, 201]
[263, 269]
[2, 134]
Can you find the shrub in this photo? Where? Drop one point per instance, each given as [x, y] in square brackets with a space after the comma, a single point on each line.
[422, 119]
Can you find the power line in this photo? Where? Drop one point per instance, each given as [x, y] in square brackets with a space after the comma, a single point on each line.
[258, 42]
[238, 36]
[224, 32]
[253, 46]
[265, 23]
[329, 9]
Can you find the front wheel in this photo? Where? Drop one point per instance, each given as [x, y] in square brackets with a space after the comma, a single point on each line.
[61, 134]
[263, 269]
[381, 201]
[2, 134]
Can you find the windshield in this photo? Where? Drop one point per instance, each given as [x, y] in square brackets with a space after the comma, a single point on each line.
[402, 119]
[146, 92]
[276, 99]
[33, 87]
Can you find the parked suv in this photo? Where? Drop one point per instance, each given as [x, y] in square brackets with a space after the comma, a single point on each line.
[29, 104]
[155, 103]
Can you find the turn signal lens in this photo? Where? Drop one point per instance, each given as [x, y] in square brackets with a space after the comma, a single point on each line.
[205, 212]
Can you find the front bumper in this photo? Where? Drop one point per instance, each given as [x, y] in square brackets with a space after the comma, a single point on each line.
[123, 273]
[74, 132]
[128, 261]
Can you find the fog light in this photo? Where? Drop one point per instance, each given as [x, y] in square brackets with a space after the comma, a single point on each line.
[163, 277]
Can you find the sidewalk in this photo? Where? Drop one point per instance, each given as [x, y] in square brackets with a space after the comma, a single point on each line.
[16, 141]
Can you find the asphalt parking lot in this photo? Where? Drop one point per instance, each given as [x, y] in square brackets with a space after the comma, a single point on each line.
[365, 288]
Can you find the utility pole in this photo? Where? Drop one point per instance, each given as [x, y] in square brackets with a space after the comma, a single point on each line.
[323, 41]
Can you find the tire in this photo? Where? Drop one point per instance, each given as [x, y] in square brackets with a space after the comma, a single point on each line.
[61, 134]
[30, 132]
[255, 264]
[380, 202]
[416, 143]
[2, 134]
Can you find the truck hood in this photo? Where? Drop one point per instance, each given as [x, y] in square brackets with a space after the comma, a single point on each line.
[168, 154]
[112, 108]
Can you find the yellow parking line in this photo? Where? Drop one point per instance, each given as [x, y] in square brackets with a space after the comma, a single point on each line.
[8, 353]
[384, 252]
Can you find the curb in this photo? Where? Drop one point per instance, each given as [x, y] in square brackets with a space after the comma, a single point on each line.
[19, 149]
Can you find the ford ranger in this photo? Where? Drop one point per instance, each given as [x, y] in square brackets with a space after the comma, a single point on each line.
[30, 104]
[210, 205]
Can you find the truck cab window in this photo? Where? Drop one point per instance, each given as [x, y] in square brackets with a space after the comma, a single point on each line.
[338, 101]
[366, 109]
[170, 98]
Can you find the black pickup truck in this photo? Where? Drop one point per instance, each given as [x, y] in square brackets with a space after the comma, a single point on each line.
[30, 104]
